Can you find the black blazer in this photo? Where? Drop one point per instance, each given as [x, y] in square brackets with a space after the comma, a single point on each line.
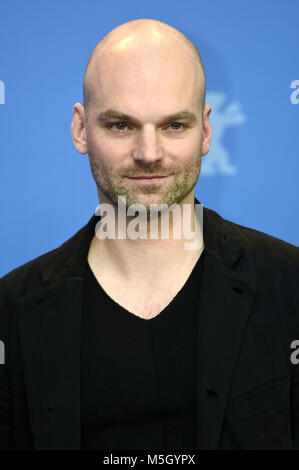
[248, 388]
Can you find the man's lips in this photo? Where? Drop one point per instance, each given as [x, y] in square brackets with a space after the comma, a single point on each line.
[148, 176]
[150, 179]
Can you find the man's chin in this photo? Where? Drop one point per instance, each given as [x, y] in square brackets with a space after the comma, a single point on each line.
[148, 200]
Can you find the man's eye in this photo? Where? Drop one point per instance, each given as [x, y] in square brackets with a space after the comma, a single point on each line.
[111, 125]
[180, 124]
[116, 123]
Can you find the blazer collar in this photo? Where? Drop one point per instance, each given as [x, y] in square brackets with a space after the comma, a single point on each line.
[220, 238]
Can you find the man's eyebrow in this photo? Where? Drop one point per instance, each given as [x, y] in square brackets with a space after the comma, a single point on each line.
[114, 114]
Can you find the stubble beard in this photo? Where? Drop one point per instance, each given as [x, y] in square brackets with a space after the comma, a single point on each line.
[113, 184]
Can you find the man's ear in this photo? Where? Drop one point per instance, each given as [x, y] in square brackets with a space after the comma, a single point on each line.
[78, 128]
[207, 130]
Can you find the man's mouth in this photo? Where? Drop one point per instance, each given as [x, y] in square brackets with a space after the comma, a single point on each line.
[148, 178]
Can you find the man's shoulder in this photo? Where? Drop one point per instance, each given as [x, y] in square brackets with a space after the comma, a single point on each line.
[27, 277]
[256, 243]
[28, 270]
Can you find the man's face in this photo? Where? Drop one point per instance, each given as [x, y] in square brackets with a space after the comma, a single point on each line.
[146, 85]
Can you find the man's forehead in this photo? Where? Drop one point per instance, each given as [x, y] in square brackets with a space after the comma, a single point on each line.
[126, 76]
[160, 62]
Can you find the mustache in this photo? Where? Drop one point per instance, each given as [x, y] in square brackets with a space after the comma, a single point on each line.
[147, 171]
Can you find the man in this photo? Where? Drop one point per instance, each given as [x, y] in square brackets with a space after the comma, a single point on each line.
[138, 343]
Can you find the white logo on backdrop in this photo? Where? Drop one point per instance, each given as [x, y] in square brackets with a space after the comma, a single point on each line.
[218, 159]
[295, 94]
[2, 92]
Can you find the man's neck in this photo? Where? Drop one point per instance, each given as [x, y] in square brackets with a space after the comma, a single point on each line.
[146, 258]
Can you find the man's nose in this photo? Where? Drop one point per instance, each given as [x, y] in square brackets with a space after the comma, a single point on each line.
[147, 147]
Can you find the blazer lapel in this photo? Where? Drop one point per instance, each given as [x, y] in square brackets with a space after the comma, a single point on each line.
[225, 301]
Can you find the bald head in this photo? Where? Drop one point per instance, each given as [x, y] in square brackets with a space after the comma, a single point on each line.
[141, 37]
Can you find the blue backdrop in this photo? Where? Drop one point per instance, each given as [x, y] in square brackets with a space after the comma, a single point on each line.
[250, 55]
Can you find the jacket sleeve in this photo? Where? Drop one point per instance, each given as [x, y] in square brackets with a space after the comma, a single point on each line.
[293, 295]
[6, 426]
[295, 407]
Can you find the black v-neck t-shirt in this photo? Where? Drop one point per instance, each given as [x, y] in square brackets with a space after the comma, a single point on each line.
[138, 376]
